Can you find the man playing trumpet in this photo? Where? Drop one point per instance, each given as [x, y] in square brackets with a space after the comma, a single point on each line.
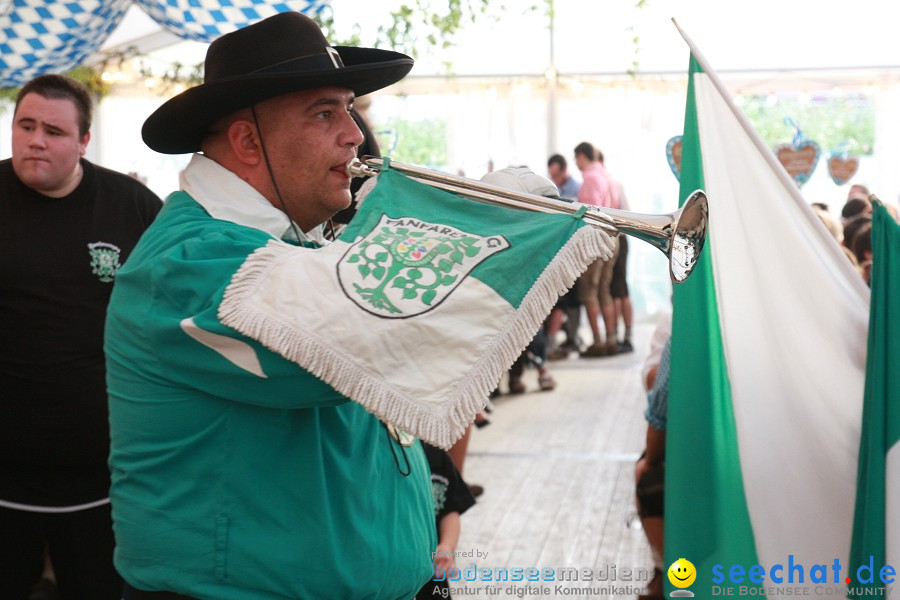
[235, 473]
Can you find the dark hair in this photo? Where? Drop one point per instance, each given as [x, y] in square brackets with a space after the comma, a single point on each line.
[862, 241]
[854, 227]
[599, 156]
[557, 159]
[60, 87]
[854, 208]
[586, 149]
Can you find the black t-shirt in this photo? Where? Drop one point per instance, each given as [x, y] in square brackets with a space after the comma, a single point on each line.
[58, 258]
[451, 494]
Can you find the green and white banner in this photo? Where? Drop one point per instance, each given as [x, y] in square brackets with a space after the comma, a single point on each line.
[768, 369]
[420, 306]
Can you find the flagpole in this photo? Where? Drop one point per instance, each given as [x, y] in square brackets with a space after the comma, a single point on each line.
[853, 278]
[760, 144]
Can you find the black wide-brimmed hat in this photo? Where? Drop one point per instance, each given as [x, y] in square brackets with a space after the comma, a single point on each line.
[284, 53]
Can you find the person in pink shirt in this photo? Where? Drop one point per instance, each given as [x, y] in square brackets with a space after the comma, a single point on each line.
[597, 189]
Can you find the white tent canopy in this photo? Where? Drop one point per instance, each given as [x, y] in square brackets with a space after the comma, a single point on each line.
[596, 37]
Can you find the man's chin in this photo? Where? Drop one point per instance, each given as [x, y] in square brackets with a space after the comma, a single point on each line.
[33, 180]
[341, 203]
[333, 208]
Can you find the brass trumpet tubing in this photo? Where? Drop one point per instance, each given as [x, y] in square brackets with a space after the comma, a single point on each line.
[476, 189]
[489, 198]
[679, 235]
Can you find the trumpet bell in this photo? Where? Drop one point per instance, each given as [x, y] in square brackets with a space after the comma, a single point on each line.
[688, 236]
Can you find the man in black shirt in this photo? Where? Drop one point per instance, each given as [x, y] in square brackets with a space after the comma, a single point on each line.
[66, 226]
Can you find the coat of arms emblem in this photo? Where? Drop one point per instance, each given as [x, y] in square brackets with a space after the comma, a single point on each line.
[404, 266]
[104, 260]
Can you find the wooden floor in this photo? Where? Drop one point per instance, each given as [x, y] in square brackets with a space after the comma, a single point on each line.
[558, 473]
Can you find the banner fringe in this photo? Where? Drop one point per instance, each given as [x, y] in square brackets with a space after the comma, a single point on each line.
[440, 425]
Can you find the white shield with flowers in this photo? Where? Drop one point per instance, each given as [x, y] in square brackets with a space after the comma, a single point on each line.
[405, 266]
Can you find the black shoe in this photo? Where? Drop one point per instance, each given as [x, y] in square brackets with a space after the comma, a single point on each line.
[595, 351]
[44, 590]
[625, 346]
[476, 490]
[560, 353]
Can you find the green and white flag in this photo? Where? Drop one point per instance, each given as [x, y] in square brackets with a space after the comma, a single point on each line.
[420, 306]
[768, 358]
[876, 527]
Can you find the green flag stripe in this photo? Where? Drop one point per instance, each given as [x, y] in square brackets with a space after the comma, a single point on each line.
[885, 351]
[881, 417]
[707, 521]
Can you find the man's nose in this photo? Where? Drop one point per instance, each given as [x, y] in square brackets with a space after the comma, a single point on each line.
[353, 136]
[37, 138]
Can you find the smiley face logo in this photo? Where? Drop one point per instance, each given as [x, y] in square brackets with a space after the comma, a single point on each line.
[682, 573]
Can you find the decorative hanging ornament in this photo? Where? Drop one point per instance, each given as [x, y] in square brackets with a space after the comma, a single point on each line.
[841, 166]
[800, 157]
[673, 156]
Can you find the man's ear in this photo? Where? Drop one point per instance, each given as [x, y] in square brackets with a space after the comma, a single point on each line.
[244, 141]
[83, 142]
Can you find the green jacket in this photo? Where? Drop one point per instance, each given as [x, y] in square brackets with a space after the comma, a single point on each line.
[235, 473]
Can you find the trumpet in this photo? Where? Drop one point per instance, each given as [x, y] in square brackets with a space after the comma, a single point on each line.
[680, 235]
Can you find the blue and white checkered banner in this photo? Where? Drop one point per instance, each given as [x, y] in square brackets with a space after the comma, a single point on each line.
[45, 36]
[54, 36]
[205, 20]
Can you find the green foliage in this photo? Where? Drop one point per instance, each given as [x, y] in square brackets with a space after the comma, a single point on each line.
[434, 22]
[176, 75]
[325, 19]
[8, 97]
[90, 77]
[845, 122]
[635, 43]
[422, 142]
[414, 22]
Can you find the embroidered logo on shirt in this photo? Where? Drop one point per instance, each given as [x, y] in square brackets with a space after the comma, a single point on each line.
[404, 267]
[104, 260]
[439, 487]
